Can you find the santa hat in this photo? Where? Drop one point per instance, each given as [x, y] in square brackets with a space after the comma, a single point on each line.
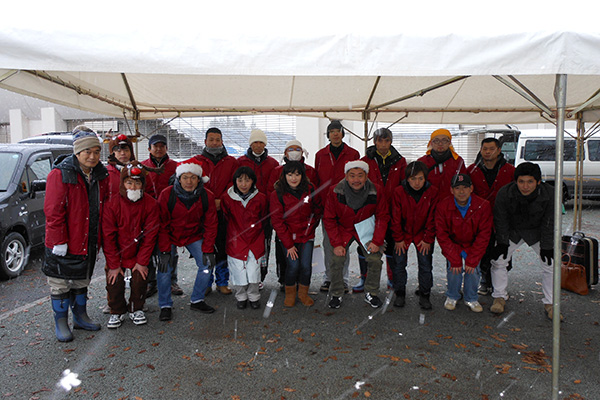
[356, 164]
[192, 165]
[120, 140]
[132, 170]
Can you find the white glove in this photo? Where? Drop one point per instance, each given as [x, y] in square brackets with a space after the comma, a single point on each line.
[60, 249]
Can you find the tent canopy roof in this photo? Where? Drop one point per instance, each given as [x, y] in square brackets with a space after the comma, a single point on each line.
[428, 67]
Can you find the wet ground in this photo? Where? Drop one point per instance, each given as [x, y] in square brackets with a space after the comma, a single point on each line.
[305, 353]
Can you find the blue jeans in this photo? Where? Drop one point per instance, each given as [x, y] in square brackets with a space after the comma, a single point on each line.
[425, 275]
[221, 275]
[163, 282]
[300, 269]
[455, 282]
[204, 274]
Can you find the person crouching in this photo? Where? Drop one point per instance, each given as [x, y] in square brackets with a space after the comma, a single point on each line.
[130, 224]
[245, 209]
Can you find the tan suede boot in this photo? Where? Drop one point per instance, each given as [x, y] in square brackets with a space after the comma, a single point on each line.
[290, 296]
[303, 296]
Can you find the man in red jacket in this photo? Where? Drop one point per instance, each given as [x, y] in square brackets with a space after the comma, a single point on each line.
[356, 210]
[219, 167]
[442, 161]
[329, 163]
[463, 225]
[386, 169]
[76, 190]
[489, 173]
[258, 159]
[121, 148]
[156, 183]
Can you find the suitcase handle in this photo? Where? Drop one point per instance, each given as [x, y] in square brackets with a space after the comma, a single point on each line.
[578, 234]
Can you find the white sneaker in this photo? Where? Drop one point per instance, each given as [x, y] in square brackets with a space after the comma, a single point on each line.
[449, 304]
[115, 321]
[138, 317]
[474, 306]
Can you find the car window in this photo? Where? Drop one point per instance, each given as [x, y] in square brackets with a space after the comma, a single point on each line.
[594, 149]
[9, 162]
[545, 150]
[40, 168]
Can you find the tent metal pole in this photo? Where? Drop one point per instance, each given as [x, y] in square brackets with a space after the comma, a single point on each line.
[526, 95]
[560, 94]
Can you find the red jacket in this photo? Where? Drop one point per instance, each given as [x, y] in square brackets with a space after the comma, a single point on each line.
[156, 183]
[331, 169]
[395, 175]
[471, 233]
[442, 179]
[220, 173]
[481, 188]
[245, 224]
[129, 231]
[263, 170]
[114, 180]
[339, 219]
[67, 210]
[182, 226]
[311, 174]
[296, 220]
[413, 222]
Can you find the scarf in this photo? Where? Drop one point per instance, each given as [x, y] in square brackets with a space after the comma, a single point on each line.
[441, 158]
[187, 198]
[336, 151]
[356, 199]
[415, 194]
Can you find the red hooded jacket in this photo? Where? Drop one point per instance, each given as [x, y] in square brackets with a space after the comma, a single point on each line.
[481, 188]
[339, 219]
[220, 173]
[182, 226]
[129, 231]
[441, 178]
[413, 222]
[471, 233]
[395, 175]
[296, 220]
[155, 182]
[245, 224]
[263, 170]
[331, 169]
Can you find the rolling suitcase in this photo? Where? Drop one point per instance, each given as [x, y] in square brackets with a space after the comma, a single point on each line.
[584, 251]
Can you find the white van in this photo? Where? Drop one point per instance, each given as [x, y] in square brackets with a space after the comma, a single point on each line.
[539, 146]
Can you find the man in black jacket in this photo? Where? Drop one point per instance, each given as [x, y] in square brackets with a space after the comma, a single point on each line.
[523, 213]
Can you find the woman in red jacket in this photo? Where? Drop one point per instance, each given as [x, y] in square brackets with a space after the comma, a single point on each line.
[130, 224]
[244, 209]
[412, 222]
[295, 214]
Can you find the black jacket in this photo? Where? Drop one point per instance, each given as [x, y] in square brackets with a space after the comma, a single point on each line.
[515, 218]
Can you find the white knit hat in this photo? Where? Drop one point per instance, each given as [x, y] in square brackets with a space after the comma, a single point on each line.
[356, 164]
[257, 135]
[293, 143]
[192, 165]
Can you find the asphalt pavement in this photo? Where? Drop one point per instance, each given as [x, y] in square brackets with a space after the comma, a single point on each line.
[307, 353]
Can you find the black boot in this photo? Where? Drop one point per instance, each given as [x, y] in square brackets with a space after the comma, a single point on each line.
[79, 308]
[60, 306]
[400, 298]
[424, 301]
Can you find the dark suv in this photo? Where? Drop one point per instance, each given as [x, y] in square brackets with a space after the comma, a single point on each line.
[23, 172]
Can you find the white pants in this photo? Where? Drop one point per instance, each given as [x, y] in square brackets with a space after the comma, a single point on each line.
[328, 256]
[247, 292]
[500, 274]
[243, 272]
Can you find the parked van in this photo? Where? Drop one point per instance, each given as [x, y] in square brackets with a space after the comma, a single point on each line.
[539, 146]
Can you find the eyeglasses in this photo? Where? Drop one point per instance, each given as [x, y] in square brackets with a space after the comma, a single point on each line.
[440, 141]
[294, 149]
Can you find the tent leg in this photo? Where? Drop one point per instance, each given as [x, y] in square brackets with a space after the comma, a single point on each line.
[560, 93]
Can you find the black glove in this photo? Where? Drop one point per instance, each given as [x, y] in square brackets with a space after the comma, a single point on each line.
[163, 264]
[209, 259]
[547, 255]
[500, 250]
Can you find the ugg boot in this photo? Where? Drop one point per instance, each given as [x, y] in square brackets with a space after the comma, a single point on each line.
[290, 296]
[79, 308]
[303, 296]
[60, 306]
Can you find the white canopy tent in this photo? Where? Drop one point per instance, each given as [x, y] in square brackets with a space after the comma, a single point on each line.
[453, 62]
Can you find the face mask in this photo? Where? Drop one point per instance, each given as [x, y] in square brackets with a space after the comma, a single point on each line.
[214, 150]
[294, 155]
[134, 195]
[258, 155]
